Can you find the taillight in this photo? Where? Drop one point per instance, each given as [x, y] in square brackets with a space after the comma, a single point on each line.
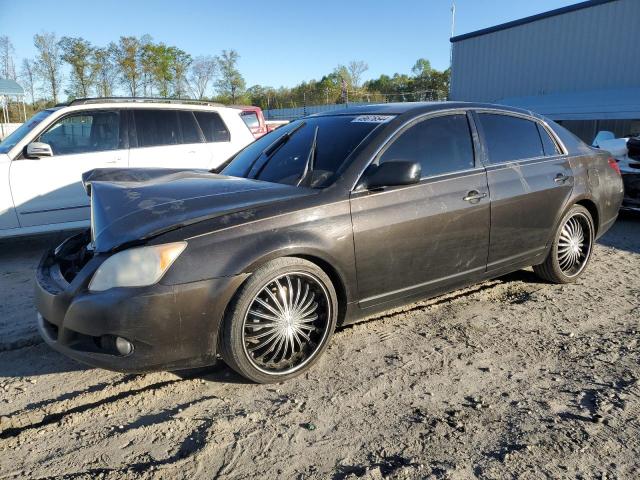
[613, 164]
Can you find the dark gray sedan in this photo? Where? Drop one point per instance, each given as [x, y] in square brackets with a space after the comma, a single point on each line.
[320, 223]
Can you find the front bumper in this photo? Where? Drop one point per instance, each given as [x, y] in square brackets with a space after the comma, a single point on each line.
[171, 327]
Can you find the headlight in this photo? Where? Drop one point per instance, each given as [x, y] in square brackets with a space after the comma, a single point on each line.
[136, 267]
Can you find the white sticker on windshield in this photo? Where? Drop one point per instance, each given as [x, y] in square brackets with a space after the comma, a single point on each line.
[373, 118]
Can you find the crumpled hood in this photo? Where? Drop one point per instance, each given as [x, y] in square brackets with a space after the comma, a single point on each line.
[128, 205]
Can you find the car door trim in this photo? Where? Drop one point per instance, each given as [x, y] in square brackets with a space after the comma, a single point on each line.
[416, 289]
[29, 212]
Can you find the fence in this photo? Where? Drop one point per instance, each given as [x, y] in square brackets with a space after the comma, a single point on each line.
[299, 112]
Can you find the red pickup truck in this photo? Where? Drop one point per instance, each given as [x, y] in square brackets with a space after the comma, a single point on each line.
[255, 121]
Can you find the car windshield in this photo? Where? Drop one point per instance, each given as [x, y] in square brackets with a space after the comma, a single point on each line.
[287, 155]
[17, 135]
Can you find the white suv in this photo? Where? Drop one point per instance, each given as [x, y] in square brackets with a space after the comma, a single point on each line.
[41, 163]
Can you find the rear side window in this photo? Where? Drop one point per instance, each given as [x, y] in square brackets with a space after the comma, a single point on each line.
[157, 127]
[440, 145]
[213, 127]
[250, 119]
[190, 129]
[509, 138]
[550, 147]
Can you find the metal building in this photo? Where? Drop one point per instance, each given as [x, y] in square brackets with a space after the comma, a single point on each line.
[578, 65]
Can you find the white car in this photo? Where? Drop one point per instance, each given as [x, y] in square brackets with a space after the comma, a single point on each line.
[41, 163]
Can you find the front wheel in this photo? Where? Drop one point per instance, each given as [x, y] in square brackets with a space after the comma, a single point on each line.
[571, 249]
[280, 321]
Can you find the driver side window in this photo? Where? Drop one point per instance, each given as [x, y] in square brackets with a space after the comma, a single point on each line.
[84, 132]
[440, 145]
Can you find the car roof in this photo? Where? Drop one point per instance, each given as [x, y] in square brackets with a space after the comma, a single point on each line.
[400, 108]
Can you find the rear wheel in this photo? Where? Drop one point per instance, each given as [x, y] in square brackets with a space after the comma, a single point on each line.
[571, 249]
[280, 321]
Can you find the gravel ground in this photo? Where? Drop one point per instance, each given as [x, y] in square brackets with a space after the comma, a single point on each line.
[510, 378]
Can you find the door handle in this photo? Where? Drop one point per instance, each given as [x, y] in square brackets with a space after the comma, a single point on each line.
[561, 178]
[474, 196]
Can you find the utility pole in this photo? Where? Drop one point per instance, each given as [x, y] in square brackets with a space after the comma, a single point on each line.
[453, 29]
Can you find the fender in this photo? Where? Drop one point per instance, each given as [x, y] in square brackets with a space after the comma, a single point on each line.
[585, 196]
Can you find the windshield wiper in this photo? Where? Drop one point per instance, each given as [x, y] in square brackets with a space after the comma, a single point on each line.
[255, 169]
[307, 174]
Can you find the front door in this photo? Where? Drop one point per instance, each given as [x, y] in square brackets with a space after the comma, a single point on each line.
[49, 190]
[529, 182]
[417, 239]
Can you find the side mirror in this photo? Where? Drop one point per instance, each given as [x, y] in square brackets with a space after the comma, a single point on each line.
[393, 173]
[39, 150]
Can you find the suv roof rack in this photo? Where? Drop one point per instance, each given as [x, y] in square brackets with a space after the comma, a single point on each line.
[90, 100]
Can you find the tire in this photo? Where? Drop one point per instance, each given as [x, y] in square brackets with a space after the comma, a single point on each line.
[280, 321]
[568, 258]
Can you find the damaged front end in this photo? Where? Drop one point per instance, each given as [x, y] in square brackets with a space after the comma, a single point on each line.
[73, 254]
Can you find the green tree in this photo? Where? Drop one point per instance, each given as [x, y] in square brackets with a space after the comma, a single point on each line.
[180, 62]
[230, 85]
[104, 71]
[48, 63]
[78, 53]
[127, 54]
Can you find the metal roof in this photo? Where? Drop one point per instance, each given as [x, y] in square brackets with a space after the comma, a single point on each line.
[532, 18]
[10, 87]
[607, 104]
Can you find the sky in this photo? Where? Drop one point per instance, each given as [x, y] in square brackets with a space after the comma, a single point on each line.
[280, 43]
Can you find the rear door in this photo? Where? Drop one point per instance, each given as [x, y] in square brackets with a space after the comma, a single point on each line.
[530, 180]
[412, 240]
[49, 189]
[217, 136]
[167, 139]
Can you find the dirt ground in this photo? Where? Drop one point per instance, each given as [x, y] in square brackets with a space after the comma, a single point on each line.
[510, 378]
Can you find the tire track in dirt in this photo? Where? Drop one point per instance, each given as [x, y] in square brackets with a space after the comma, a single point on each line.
[16, 423]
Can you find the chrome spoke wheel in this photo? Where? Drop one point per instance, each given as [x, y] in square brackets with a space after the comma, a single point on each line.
[286, 323]
[574, 244]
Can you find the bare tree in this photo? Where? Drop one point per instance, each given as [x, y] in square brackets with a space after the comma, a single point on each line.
[356, 68]
[27, 77]
[203, 71]
[7, 68]
[48, 65]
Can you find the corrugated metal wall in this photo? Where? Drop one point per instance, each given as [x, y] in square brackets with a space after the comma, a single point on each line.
[593, 48]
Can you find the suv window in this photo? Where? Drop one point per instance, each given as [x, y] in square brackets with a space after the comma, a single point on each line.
[440, 145]
[190, 129]
[84, 132]
[250, 119]
[156, 127]
[550, 146]
[510, 138]
[212, 126]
